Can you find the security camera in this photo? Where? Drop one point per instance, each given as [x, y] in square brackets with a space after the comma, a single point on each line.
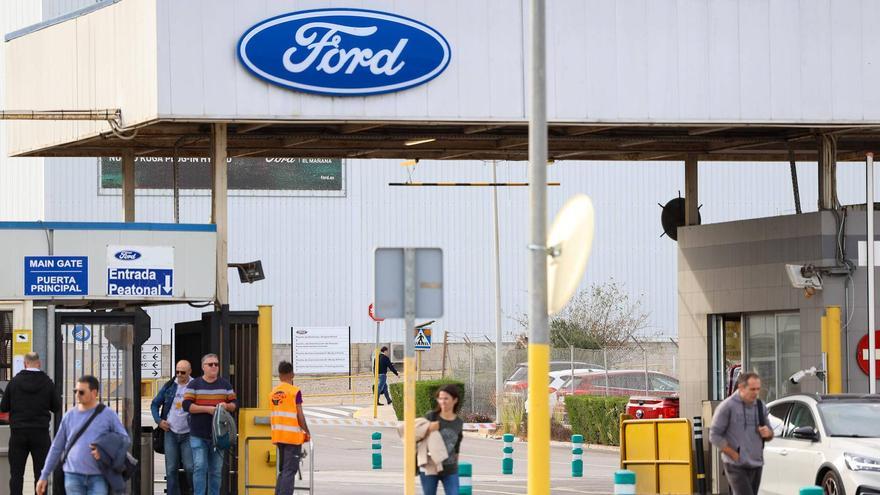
[812, 371]
[805, 277]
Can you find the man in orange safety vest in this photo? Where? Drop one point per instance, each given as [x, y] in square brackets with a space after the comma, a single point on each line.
[289, 429]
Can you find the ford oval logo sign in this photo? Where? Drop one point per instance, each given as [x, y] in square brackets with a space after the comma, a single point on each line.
[344, 52]
[127, 255]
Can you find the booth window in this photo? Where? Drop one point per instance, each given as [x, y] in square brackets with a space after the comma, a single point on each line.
[773, 350]
[725, 354]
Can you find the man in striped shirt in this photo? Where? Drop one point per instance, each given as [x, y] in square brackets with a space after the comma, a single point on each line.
[201, 398]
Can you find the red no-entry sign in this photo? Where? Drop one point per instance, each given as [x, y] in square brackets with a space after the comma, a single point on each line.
[373, 314]
[862, 353]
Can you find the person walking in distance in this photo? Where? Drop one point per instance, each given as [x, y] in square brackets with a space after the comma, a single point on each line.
[74, 445]
[168, 413]
[740, 426]
[385, 364]
[289, 428]
[30, 400]
[201, 398]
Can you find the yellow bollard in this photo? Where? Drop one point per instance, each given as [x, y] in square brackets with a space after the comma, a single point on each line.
[409, 428]
[376, 385]
[264, 353]
[833, 361]
[539, 420]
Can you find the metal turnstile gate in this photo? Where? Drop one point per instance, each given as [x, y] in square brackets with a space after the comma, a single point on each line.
[105, 345]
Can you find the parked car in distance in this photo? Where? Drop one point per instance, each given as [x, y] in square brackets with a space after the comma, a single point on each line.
[559, 379]
[519, 380]
[832, 441]
[652, 407]
[623, 383]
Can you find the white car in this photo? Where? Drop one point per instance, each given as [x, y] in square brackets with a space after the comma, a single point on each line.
[559, 379]
[828, 440]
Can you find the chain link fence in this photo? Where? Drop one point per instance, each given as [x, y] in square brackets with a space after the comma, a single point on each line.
[643, 368]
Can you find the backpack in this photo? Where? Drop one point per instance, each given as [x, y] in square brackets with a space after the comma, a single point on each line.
[223, 431]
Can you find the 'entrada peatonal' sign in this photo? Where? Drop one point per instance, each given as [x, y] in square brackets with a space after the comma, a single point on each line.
[344, 52]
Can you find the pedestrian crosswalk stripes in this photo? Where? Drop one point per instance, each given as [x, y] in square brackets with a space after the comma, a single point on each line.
[329, 412]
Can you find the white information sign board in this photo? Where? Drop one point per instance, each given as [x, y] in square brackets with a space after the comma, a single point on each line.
[318, 350]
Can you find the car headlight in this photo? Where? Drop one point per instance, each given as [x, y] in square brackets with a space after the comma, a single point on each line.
[858, 462]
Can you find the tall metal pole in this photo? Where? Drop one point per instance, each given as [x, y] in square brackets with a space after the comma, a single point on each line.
[872, 351]
[539, 348]
[499, 384]
[409, 383]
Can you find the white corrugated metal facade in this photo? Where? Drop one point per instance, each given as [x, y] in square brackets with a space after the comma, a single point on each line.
[317, 251]
[21, 181]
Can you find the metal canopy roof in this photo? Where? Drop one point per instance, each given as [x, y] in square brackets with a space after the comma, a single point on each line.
[483, 140]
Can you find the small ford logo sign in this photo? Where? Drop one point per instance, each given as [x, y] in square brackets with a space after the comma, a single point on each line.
[302, 332]
[344, 52]
[127, 255]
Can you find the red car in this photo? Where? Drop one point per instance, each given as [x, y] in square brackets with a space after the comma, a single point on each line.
[623, 383]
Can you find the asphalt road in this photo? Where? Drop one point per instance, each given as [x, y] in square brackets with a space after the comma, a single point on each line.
[343, 465]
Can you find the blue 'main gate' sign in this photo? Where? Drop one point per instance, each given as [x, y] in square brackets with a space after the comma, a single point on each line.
[344, 52]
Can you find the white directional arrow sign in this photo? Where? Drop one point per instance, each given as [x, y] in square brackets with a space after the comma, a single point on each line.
[151, 355]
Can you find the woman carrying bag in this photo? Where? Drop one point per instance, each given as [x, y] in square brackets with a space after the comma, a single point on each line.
[445, 420]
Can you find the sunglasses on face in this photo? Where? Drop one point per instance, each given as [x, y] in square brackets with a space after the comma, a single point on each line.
[182, 372]
[79, 392]
[212, 364]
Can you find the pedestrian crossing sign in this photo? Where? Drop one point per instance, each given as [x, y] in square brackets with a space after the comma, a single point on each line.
[423, 339]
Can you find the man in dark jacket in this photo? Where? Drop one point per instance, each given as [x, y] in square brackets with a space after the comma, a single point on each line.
[385, 364]
[30, 399]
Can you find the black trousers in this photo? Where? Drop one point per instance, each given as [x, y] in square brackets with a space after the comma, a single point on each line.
[743, 480]
[22, 443]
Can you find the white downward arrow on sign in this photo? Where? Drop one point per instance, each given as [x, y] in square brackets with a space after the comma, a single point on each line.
[167, 284]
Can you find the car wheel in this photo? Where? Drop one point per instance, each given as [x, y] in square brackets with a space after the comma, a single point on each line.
[831, 484]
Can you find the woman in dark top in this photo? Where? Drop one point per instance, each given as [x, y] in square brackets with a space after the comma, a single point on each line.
[445, 420]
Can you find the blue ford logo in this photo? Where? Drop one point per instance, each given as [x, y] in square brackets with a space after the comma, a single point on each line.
[344, 52]
[127, 255]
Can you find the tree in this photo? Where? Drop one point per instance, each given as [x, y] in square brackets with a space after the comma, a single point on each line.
[604, 315]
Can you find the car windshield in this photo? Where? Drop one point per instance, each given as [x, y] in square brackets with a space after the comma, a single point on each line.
[851, 419]
[520, 375]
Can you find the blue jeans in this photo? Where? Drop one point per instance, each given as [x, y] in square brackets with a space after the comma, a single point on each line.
[207, 466]
[177, 451]
[430, 483]
[383, 388]
[85, 484]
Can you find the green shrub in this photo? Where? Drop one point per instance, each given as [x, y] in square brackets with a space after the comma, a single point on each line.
[597, 418]
[425, 392]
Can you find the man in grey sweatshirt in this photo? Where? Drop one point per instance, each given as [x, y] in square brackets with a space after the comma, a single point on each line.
[739, 431]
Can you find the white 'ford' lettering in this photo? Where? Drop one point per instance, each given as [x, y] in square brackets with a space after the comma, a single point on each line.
[335, 58]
